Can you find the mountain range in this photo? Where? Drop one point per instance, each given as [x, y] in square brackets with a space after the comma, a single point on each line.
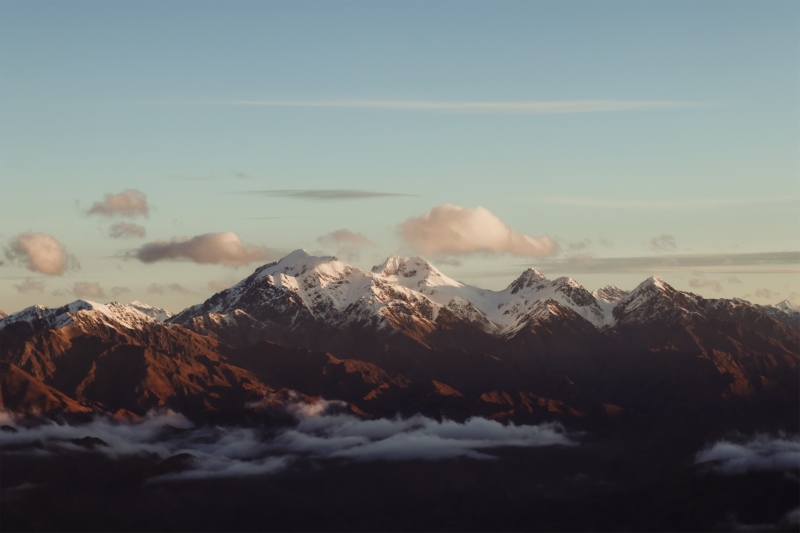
[404, 336]
[636, 382]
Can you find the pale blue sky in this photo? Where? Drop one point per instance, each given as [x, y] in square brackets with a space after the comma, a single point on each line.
[99, 97]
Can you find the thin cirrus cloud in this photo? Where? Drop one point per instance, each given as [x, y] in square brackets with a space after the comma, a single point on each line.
[448, 230]
[328, 194]
[345, 243]
[681, 204]
[128, 203]
[40, 252]
[225, 248]
[519, 107]
[720, 263]
[126, 230]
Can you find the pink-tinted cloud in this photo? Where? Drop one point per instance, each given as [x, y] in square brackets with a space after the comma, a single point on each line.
[128, 203]
[88, 289]
[454, 230]
[126, 230]
[209, 249]
[40, 252]
[345, 243]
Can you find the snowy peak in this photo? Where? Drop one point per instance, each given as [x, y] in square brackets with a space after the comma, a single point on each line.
[405, 266]
[526, 280]
[156, 313]
[610, 294]
[787, 306]
[113, 314]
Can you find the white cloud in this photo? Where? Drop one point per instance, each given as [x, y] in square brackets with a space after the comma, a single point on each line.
[453, 230]
[126, 230]
[345, 243]
[759, 453]
[224, 248]
[40, 252]
[318, 434]
[128, 203]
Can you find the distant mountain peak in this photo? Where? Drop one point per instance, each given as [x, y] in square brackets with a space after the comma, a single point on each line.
[610, 293]
[396, 265]
[526, 279]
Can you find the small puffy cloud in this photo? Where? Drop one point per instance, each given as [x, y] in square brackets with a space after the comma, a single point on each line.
[40, 252]
[218, 286]
[30, 286]
[767, 294]
[734, 279]
[126, 230]
[158, 288]
[346, 243]
[579, 245]
[88, 289]
[116, 292]
[224, 248]
[128, 203]
[454, 230]
[663, 243]
[699, 283]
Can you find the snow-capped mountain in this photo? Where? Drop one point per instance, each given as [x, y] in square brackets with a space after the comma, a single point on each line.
[324, 303]
[155, 313]
[784, 311]
[113, 314]
[323, 295]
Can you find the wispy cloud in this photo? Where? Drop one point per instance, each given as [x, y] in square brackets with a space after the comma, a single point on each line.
[685, 203]
[729, 263]
[520, 107]
[327, 194]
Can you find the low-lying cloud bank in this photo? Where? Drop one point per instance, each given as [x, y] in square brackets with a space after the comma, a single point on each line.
[318, 434]
[759, 453]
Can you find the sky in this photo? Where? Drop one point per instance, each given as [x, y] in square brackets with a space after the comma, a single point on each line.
[162, 150]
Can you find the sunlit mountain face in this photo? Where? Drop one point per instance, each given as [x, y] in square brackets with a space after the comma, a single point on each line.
[344, 396]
